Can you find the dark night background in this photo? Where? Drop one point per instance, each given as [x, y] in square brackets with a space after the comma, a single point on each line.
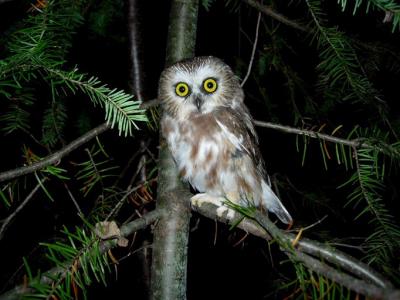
[224, 269]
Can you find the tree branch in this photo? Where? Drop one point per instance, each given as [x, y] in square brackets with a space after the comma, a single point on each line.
[8, 220]
[56, 156]
[5, 1]
[354, 143]
[359, 277]
[104, 246]
[310, 133]
[273, 14]
[150, 103]
[253, 51]
[136, 72]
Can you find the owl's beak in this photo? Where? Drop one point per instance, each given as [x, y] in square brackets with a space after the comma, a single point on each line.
[199, 102]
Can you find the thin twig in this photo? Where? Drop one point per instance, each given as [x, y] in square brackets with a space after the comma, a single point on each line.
[253, 51]
[135, 51]
[4, 1]
[56, 156]
[150, 103]
[355, 143]
[316, 223]
[73, 200]
[130, 161]
[123, 199]
[8, 220]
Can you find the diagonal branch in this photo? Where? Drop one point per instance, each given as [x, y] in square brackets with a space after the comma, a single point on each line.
[11, 217]
[56, 156]
[355, 275]
[57, 272]
[267, 10]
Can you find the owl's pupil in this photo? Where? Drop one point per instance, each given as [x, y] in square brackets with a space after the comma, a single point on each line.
[210, 85]
[182, 89]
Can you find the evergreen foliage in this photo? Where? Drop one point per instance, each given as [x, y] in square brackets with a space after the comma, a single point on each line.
[38, 50]
[391, 8]
[37, 83]
[77, 262]
[340, 73]
[54, 120]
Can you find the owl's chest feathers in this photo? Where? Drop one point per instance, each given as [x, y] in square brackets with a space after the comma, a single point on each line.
[201, 150]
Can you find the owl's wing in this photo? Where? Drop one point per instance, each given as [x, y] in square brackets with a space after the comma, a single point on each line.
[237, 127]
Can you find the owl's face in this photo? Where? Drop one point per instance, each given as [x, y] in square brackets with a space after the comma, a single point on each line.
[198, 86]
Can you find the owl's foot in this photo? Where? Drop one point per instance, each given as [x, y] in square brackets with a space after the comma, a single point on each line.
[199, 199]
[222, 209]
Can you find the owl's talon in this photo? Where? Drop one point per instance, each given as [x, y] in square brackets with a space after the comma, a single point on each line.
[222, 209]
[231, 213]
[199, 199]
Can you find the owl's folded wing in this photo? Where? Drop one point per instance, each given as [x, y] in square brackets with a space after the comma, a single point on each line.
[238, 127]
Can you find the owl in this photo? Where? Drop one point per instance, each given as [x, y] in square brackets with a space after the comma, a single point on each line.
[211, 136]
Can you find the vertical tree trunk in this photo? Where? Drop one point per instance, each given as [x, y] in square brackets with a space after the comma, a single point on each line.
[136, 72]
[169, 265]
[137, 88]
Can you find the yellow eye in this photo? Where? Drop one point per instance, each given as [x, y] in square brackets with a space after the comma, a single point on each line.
[182, 89]
[210, 85]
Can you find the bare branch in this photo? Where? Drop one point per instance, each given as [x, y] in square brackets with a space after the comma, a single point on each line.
[56, 156]
[117, 207]
[4, 1]
[273, 14]
[253, 51]
[136, 72]
[354, 143]
[11, 217]
[310, 133]
[73, 200]
[150, 103]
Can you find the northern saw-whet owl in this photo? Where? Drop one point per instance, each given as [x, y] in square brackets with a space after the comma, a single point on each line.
[211, 136]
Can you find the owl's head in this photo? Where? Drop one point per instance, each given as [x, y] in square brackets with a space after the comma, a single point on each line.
[198, 86]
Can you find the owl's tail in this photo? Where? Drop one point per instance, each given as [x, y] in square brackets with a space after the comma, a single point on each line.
[273, 204]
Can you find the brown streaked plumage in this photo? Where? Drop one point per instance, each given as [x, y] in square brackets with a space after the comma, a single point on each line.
[211, 135]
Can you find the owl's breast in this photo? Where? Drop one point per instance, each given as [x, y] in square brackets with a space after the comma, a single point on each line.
[200, 150]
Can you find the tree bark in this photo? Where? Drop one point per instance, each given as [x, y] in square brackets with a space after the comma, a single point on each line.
[169, 264]
[135, 54]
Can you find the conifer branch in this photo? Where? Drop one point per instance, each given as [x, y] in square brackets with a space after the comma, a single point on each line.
[119, 106]
[391, 9]
[48, 278]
